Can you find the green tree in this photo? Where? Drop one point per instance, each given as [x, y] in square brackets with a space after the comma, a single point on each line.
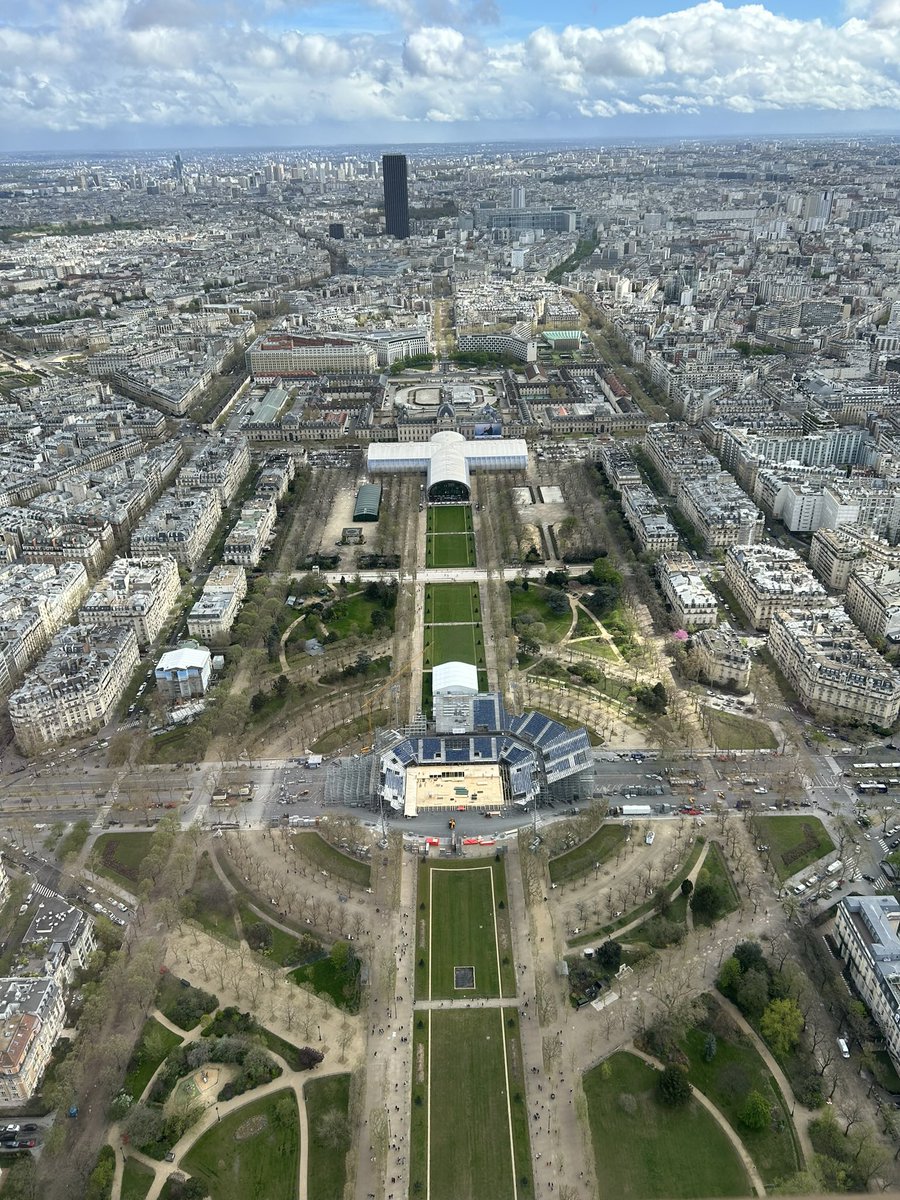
[686, 888]
[708, 899]
[781, 1025]
[749, 954]
[752, 993]
[673, 1086]
[143, 1125]
[609, 955]
[756, 1112]
[729, 976]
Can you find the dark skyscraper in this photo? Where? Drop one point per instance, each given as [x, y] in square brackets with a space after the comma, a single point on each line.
[396, 198]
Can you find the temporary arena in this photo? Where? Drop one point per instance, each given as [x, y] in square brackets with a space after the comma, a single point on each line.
[448, 459]
[500, 760]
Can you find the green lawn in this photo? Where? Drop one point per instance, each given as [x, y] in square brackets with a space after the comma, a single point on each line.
[323, 978]
[352, 616]
[473, 1092]
[794, 842]
[235, 1162]
[727, 1080]
[327, 1170]
[450, 550]
[464, 904]
[119, 856]
[339, 737]
[283, 944]
[450, 518]
[715, 866]
[453, 643]
[655, 1151]
[533, 602]
[154, 1044]
[732, 732]
[581, 859]
[136, 1180]
[449, 602]
[326, 857]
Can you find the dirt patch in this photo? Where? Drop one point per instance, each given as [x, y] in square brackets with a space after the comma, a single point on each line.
[515, 1067]
[422, 934]
[251, 1127]
[420, 1063]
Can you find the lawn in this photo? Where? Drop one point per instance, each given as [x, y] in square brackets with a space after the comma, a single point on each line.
[119, 856]
[580, 859]
[450, 518]
[450, 550]
[471, 1093]
[533, 602]
[727, 1079]
[715, 866]
[794, 842]
[209, 902]
[730, 731]
[154, 1044]
[250, 1153]
[449, 602]
[342, 735]
[322, 854]
[284, 948]
[463, 922]
[136, 1180]
[453, 643]
[352, 616]
[645, 1150]
[324, 978]
[327, 1170]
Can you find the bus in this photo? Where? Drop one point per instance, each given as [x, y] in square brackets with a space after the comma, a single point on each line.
[873, 786]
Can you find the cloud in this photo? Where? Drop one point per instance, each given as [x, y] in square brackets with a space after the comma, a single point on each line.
[242, 63]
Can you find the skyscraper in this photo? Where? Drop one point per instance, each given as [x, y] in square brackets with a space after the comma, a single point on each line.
[396, 197]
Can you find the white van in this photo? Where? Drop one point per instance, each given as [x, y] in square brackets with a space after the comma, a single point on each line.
[843, 1047]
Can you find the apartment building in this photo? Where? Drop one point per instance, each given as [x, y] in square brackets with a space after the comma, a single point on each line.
[292, 355]
[832, 667]
[64, 934]
[220, 465]
[36, 600]
[75, 686]
[873, 601]
[218, 605]
[513, 343]
[722, 657]
[247, 539]
[721, 513]
[275, 476]
[692, 603]
[867, 934]
[834, 553]
[32, 1016]
[178, 526]
[647, 520]
[765, 579]
[140, 592]
[617, 464]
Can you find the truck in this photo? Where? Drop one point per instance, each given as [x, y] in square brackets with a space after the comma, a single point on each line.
[632, 810]
[834, 867]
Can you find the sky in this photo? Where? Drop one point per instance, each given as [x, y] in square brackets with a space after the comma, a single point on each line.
[136, 74]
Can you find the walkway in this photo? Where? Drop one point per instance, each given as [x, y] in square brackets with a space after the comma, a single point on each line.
[718, 1117]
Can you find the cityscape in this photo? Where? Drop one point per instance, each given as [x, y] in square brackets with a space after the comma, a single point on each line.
[450, 669]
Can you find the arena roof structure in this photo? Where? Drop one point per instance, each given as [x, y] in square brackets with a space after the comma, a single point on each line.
[447, 460]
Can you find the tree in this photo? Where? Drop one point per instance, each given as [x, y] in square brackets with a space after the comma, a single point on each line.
[708, 899]
[609, 955]
[686, 888]
[749, 955]
[285, 1112]
[143, 1125]
[673, 1086]
[781, 1025]
[333, 1128]
[729, 977]
[756, 1112]
[752, 993]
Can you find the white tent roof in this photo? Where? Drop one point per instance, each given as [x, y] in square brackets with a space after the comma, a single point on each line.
[454, 677]
[183, 660]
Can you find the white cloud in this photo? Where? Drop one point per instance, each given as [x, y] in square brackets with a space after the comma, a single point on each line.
[87, 64]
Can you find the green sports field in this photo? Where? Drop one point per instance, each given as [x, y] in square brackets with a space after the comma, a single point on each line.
[464, 924]
[450, 550]
[449, 602]
[470, 1137]
[450, 518]
[453, 643]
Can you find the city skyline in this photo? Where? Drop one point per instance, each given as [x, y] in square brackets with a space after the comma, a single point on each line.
[203, 75]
